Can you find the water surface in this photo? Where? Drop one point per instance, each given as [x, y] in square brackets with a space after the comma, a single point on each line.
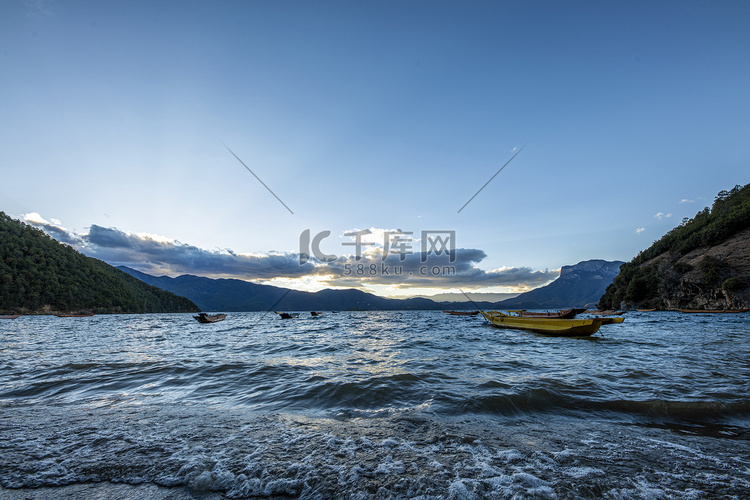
[385, 404]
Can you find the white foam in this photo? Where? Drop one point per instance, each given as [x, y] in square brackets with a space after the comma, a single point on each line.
[332, 458]
[390, 443]
[528, 480]
[458, 490]
[564, 455]
[509, 455]
[517, 485]
[389, 466]
[581, 472]
[436, 465]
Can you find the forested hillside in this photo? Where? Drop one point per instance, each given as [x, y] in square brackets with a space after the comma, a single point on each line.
[38, 274]
[704, 263]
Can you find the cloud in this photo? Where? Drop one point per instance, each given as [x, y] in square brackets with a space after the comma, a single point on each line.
[428, 270]
[151, 255]
[418, 260]
[684, 200]
[661, 215]
[54, 228]
[640, 230]
[375, 265]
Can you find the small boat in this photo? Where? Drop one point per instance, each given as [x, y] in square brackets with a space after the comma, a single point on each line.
[287, 315]
[550, 326]
[210, 318]
[78, 315]
[607, 313]
[10, 316]
[559, 314]
[462, 313]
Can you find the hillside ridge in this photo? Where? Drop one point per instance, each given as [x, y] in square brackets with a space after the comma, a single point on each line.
[702, 264]
[39, 275]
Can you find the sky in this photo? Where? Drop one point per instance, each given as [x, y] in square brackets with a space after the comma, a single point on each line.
[473, 145]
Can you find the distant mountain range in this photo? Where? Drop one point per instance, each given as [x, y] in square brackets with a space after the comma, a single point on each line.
[237, 295]
[579, 285]
[476, 297]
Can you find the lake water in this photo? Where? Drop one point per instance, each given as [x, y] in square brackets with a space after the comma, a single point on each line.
[375, 405]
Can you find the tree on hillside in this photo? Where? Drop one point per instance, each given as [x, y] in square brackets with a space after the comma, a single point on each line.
[38, 273]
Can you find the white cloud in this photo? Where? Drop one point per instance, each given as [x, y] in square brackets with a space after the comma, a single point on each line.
[53, 228]
[156, 237]
[684, 200]
[34, 218]
[662, 215]
[640, 230]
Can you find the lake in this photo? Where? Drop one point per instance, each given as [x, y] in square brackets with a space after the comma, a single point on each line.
[397, 404]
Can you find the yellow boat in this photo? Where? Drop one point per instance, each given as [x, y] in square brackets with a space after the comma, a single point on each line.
[549, 326]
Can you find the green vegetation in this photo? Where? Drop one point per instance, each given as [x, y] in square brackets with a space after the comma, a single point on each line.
[645, 282]
[634, 284]
[713, 270]
[734, 284]
[39, 274]
[730, 213]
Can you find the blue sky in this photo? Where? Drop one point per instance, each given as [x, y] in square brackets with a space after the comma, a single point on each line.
[370, 115]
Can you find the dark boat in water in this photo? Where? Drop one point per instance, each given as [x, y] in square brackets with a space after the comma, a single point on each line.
[210, 318]
[9, 316]
[287, 315]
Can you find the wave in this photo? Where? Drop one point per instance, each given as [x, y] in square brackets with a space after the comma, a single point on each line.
[547, 401]
[318, 383]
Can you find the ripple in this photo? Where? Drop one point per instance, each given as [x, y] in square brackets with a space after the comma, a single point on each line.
[370, 360]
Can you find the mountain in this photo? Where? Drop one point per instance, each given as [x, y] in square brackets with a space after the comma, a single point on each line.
[41, 275]
[704, 263]
[237, 295]
[581, 284]
[475, 296]
[577, 286]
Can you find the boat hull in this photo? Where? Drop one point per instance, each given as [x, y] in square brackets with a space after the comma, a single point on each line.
[550, 326]
[562, 314]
